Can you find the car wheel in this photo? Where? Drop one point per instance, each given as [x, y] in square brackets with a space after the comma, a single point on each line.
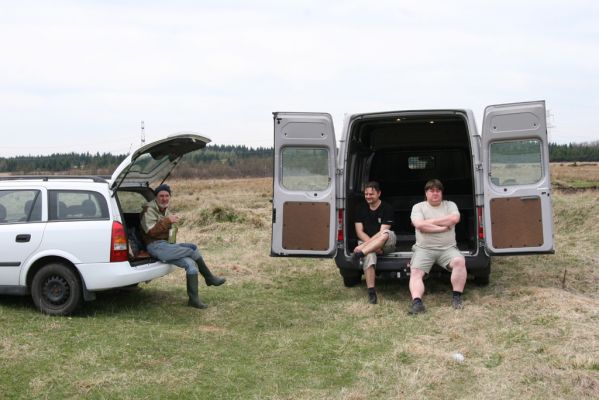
[56, 290]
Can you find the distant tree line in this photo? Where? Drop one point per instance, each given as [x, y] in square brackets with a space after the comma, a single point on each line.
[574, 151]
[217, 161]
[76, 163]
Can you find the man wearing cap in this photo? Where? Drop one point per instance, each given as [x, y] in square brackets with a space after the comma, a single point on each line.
[156, 221]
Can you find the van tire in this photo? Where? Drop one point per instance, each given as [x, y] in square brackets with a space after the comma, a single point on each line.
[351, 278]
[56, 289]
[481, 280]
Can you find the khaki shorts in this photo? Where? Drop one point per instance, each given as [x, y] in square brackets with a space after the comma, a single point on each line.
[388, 247]
[424, 259]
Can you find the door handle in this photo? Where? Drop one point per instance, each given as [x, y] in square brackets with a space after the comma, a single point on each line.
[23, 238]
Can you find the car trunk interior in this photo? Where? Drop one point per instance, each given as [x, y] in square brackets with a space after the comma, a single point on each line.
[402, 152]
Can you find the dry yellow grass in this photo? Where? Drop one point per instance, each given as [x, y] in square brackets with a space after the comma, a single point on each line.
[285, 328]
[575, 175]
[529, 334]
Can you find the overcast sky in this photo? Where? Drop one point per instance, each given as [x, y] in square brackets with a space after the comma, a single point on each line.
[82, 75]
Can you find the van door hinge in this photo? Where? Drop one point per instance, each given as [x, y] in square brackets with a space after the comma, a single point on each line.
[478, 167]
[339, 171]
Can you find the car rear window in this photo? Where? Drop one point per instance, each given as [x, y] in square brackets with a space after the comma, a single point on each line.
[75, 205]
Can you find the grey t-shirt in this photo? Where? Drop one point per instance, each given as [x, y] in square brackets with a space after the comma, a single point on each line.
[440, 240]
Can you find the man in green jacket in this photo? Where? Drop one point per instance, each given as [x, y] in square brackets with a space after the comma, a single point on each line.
[156, 222]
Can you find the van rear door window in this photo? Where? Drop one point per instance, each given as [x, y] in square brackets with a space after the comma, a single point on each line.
[305, 168]
[516, 162]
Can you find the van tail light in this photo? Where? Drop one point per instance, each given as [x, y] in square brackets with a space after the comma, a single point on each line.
[481, 230]
[340, 225]
[118, 243]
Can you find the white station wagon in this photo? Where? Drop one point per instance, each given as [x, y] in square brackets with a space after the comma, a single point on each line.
[66, 237]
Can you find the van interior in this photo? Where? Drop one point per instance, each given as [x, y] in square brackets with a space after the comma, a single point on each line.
[402, 153]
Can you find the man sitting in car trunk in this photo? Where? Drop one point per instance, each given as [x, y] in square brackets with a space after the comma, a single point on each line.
[373, 228]
[435, 220]
[156, 221]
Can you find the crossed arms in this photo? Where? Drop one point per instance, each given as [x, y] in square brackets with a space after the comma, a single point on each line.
[436, 225]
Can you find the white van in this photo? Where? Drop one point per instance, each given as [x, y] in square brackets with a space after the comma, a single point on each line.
[499, 180]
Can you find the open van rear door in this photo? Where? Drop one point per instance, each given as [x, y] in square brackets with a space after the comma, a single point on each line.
[303, 214]
[517, 188]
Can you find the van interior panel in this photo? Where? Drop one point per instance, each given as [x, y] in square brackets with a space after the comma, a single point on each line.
[297, 234]
[517, 222]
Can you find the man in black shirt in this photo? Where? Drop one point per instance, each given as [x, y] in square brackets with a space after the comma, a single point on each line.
[373, 228]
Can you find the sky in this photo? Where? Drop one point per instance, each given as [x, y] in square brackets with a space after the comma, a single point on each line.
[80, 76]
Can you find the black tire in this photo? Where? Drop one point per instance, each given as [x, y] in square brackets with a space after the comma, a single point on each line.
[481, 280]
[56, 290]
[351, 279]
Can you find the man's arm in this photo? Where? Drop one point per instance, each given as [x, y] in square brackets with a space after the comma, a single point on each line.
[156, 225]
[448, 220]
[427, 227]
[360, 232]
[384, 227]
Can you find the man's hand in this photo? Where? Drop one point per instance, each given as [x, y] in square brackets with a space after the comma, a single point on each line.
[173, 218]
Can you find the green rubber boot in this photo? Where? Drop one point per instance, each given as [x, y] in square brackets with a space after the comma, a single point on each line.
[211, 280]
[192, 292]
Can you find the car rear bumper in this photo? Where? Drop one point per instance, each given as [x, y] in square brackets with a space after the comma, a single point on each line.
[103, 276]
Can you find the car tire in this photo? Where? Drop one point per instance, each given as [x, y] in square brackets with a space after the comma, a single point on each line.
[56, 289]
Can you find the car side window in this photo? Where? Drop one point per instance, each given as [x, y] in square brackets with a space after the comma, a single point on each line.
[76, 205]
[17, 206]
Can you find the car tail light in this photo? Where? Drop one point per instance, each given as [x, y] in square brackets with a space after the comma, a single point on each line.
[118, 243]
[481, 230]
[340, 225]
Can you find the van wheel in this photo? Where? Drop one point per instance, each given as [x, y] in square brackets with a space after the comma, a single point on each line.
[481, 280]
[351, 279]
[56, 290]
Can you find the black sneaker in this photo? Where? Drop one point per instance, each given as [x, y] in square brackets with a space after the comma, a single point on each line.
[417, 308]
[456, 303]
[357, 256]
[372, 298]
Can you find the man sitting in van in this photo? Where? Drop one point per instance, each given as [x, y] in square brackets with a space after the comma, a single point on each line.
[435, 220]
[156, 221]
[373, 228]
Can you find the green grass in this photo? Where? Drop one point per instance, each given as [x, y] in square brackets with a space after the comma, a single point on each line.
[284, 328]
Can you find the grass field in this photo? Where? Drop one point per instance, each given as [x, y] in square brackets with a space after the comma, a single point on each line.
[287, 328]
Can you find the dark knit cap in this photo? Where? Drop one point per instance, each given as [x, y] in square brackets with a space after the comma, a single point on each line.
[162, 187]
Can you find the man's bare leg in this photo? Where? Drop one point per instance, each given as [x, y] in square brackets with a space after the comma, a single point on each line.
[374, 244]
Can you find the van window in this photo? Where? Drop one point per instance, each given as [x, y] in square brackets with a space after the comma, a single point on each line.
[305, 168]
[421, 162]
[516, 162]
[20, 206]
[76, 204]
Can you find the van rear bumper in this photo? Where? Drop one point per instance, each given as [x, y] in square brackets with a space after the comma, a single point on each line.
[477, 265]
